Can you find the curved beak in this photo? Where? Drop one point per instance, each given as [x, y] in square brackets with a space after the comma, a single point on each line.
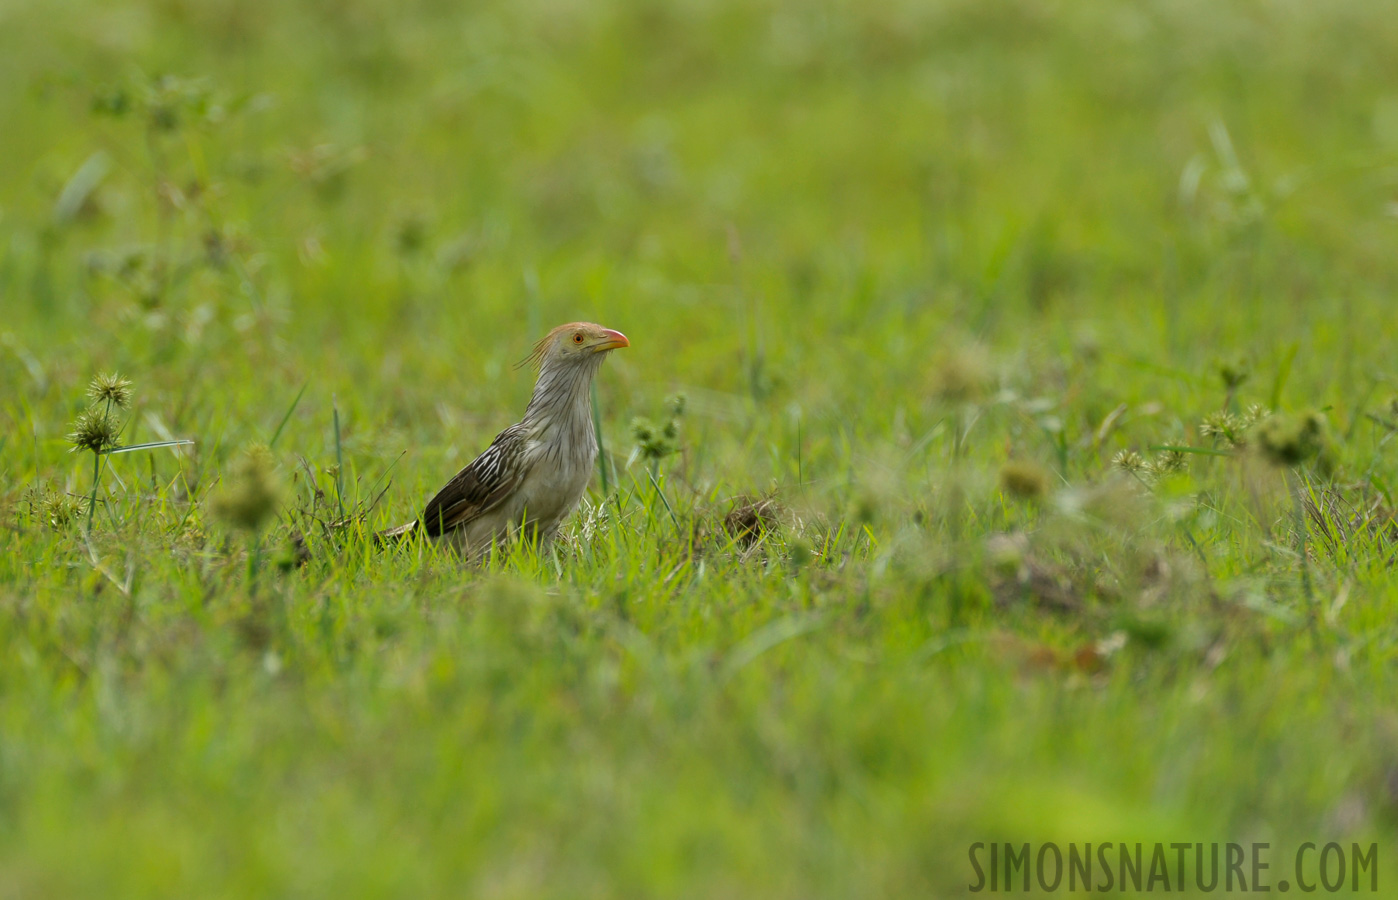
[613, 340]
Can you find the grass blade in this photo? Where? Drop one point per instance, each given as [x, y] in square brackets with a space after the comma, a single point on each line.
[1283, 373]
[768, 636]
[661, 494]
[339, 460]
[153, 445]
[287, 418]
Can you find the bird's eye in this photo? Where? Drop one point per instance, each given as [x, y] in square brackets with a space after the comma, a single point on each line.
[577, 337]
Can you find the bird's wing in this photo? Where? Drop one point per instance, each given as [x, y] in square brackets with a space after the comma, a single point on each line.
[481, 486]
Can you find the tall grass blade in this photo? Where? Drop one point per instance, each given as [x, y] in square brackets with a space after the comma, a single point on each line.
[153, 445]
[339, 460]
[276, 435]
[1283, 373]
[661, 494]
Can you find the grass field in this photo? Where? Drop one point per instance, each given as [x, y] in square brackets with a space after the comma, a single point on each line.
[941, 284]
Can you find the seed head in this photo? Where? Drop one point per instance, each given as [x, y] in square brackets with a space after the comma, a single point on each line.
[1130, 462]
[1253, 414]
[1169, 462]
[654, 443]
[111, 389]
[251, 490]
[62, 510]
[95, 430]
[59, 510]
[1234, 372]
[1224, 427]
[1024, 479]
[1289, 440]
[963, 375]
[651, 442]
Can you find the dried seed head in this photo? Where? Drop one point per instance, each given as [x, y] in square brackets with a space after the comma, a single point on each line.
[1024, 479]
[1169, 462]
[650, 441]
[963, 375]
[111, 389]
[95, 430]
[62, 510]
[654, 443]
[1129, 461]
[1289, 440]
[59, 510]
[1253, 414]
[1223, 427]
[251, 490]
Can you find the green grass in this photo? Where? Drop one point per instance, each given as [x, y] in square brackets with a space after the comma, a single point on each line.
[883, 249]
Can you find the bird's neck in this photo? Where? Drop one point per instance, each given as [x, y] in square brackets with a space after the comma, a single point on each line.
[561, 407]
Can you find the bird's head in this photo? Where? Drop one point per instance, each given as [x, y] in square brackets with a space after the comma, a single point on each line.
[576, 344]
[567, 359]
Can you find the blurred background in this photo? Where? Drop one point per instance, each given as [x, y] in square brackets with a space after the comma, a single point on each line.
[885, 248]
[399, 198]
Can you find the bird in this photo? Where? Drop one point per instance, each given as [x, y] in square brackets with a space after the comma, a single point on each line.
[534, 473]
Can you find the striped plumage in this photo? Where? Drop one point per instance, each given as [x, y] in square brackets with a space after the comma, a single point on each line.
[533, 474]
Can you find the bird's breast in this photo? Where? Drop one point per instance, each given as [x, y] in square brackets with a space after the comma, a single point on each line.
[555, 481]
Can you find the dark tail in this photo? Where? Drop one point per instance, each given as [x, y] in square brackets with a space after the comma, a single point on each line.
[302, 553]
